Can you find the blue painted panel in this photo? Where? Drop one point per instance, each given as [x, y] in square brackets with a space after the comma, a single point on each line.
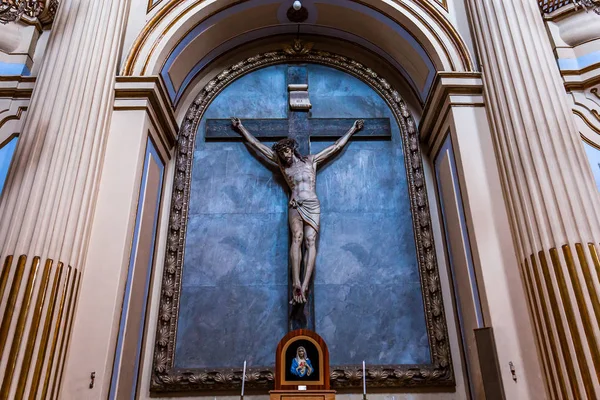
[235, 263]
[227, 179]
[14, 69]
[247, 323]
[368, 301]
[579, 63]
[151, 154]
[6, 155]
[593, 155]
[447, 149]
[261, 94]
[234, 288]
[223, 250]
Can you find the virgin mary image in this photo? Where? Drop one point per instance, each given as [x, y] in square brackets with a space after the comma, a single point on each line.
[301, 365]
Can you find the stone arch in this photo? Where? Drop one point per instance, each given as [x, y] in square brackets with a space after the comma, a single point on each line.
[181, 39]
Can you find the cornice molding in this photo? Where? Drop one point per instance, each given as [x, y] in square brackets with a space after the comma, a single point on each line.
[443, 4]
[151, 91]
[11, 117]
[152, 5]
[16, 87]
[450, 89]
[135, 54]
[581, 79]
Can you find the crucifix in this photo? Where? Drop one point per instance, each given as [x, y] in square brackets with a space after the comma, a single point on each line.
[292, 154]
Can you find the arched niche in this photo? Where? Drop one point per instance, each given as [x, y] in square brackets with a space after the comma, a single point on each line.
[435, 369]
[321, 43]
[182, 38]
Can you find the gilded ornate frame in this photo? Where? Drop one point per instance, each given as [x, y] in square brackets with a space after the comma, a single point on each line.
[166, 378]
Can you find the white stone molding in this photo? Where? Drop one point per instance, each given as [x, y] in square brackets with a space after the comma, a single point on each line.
[481, 257]
[141, 113]
[149, 94]
[15, 95]
[450, 89]
[586, 105]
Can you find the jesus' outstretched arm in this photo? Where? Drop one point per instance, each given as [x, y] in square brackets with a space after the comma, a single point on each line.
[326, 153]
[254, 142]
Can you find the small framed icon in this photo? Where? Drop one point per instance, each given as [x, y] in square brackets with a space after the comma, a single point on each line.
[302, 361]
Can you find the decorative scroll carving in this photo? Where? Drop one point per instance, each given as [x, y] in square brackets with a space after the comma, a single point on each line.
[585, 105]
[6, 116]
[47, 17]
[548, 6]
[165, 378]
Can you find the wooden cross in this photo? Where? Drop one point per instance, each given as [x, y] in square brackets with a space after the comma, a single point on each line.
[301, 127]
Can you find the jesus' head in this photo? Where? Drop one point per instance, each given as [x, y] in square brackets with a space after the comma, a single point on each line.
[286, 149]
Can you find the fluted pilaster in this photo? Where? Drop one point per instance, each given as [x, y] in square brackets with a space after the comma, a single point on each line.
[48, 200]
[551, 196]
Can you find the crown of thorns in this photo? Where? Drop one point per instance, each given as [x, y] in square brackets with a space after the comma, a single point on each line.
[284, 144]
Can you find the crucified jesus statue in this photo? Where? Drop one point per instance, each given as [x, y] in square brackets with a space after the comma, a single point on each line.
[300, 173]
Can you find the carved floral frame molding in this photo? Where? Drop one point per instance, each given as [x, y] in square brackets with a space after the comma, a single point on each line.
[166, 378]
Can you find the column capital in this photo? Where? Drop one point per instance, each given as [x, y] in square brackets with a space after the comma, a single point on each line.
[148, 93]
[449, 89]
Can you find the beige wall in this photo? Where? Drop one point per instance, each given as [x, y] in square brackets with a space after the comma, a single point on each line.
[98, 309]
[102, 291]
[496, 265]
[456, 110]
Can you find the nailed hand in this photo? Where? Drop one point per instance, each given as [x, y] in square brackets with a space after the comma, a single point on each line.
[236, 122]
[359, 124]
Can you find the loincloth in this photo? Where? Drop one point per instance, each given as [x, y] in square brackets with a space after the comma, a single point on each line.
[309, 210]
